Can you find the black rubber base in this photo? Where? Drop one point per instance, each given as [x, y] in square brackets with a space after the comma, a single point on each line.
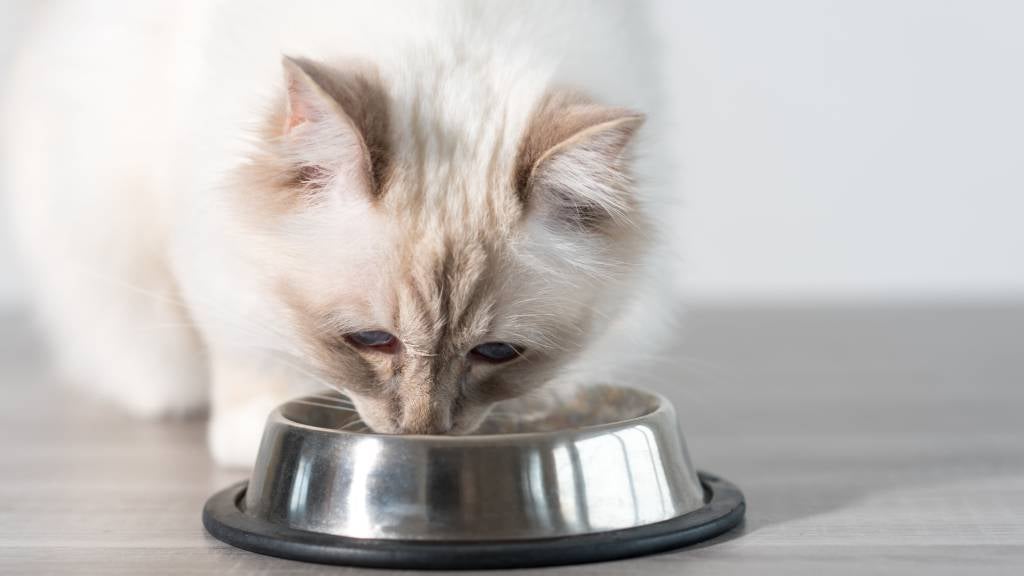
[722, 511]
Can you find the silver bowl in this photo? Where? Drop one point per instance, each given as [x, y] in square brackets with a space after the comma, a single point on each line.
[598, 474]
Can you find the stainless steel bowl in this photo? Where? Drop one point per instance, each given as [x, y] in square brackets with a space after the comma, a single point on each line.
[605, 464]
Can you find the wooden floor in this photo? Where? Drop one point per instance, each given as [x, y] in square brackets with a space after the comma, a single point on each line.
[868, 441]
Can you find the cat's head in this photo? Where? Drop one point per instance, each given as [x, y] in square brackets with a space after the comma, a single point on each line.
[432, 260]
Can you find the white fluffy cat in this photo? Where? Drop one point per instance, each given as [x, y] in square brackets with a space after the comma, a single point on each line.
[430, 205]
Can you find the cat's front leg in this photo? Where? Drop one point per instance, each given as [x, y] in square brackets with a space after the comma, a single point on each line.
[245, 389]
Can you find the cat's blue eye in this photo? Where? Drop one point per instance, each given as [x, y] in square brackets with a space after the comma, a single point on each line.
[376, 339]
[496, 352]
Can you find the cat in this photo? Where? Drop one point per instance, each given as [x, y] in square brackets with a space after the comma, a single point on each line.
[431, 206]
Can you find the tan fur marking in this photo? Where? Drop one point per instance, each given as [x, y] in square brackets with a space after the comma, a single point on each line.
[561, 119]
[273, 186]
[338, 361]
[360, 93]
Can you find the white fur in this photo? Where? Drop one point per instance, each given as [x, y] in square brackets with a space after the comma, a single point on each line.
[125, 117]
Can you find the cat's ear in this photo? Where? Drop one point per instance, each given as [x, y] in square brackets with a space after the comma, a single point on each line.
[573, 164]
[334, 124]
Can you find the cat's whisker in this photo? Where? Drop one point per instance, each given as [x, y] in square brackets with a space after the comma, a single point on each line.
[174, 300]
[356, 423]
[526, 316]
[305, 372]
[333, 401]
[341, 399]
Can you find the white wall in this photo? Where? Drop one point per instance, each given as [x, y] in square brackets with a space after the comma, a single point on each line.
[849, 149]
[852, 149]
[12, 18]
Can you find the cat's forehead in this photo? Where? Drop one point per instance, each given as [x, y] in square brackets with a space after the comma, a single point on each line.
[446, 285]
[456, 185]
[453, 143]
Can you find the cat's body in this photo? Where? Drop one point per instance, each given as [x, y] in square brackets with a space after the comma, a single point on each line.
[205, 228]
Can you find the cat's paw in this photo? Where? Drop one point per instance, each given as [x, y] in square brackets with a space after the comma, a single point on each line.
[234, 434]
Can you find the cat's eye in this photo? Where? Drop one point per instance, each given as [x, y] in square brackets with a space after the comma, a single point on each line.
[374, 339]
[496, 352]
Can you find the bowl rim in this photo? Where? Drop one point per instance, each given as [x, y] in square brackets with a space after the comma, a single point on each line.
[664, 407]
